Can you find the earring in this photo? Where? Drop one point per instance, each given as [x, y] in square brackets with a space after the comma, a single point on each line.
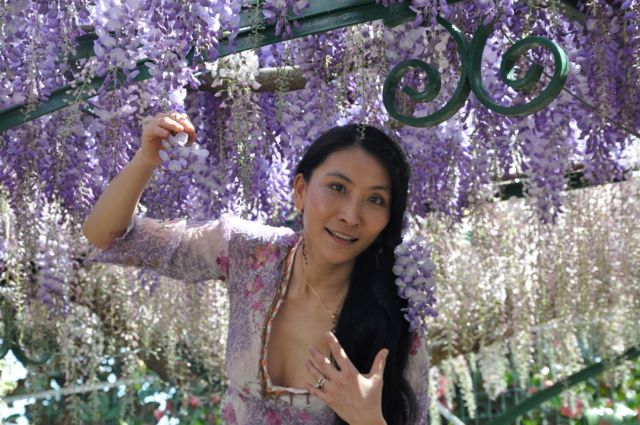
[300, 215]
[304, 253]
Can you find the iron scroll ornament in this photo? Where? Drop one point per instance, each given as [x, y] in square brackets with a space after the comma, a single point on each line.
[471, 78]
[433, 88]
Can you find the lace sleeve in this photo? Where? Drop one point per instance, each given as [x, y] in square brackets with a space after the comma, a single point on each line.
[190, 253]
[417, 373]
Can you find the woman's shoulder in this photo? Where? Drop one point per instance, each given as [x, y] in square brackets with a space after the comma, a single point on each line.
[256, 250]
[244, 231]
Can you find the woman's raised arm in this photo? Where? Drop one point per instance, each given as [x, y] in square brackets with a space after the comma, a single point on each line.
[113, 211]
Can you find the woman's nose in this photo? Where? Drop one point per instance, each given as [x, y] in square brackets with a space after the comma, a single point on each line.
[350, 213]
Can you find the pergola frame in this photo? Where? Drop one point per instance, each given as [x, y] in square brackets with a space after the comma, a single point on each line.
[325, 16]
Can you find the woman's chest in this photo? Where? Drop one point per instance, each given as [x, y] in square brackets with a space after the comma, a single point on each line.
[294, 329]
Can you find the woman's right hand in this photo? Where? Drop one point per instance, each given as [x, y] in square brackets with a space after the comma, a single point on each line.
[159, 127]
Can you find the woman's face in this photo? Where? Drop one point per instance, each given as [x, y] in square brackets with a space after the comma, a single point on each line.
[346, 204]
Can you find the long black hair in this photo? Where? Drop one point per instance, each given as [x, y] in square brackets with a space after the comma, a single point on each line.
[371, 317]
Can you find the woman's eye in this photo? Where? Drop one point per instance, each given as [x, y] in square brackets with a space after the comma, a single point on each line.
[337, 187]
[378, 200]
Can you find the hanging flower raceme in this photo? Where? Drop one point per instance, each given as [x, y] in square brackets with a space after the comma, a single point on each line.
[53, 259]
[278, 11]
[178, 156]
[414, 271]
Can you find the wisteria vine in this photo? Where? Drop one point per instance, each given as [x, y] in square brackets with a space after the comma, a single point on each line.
[249, 140]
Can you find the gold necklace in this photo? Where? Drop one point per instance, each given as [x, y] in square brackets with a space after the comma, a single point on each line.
[334, 316]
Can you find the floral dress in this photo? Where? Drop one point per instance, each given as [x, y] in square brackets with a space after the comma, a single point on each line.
[255, 261]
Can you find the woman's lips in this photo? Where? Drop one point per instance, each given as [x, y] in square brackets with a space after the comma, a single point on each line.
[340, 240]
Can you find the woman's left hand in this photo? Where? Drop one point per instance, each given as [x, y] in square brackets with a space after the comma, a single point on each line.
[356, 398]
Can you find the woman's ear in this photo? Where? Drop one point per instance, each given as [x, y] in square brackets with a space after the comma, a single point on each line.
[299, 188]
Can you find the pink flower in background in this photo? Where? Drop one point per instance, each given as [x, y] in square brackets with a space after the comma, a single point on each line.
[573, 412]
[194, 402]
[215, 399]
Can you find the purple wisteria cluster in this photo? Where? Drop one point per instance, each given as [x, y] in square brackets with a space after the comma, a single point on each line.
[175, 152]
[414, 277]
[34, 36]
[54, 266]
[280, 13]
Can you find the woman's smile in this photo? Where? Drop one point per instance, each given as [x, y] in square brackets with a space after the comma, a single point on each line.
[341, 238]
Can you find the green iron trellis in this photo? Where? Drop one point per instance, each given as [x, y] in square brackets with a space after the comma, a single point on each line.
[471, 78]
[325, 16]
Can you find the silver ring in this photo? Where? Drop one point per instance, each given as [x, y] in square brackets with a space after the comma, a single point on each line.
[321, 382]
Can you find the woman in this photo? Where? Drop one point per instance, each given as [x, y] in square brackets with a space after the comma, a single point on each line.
[316, 332]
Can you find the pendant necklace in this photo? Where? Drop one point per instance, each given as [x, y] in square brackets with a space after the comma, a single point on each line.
[334, 316]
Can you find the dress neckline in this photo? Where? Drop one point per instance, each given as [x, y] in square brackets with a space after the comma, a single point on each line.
[269, 389]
